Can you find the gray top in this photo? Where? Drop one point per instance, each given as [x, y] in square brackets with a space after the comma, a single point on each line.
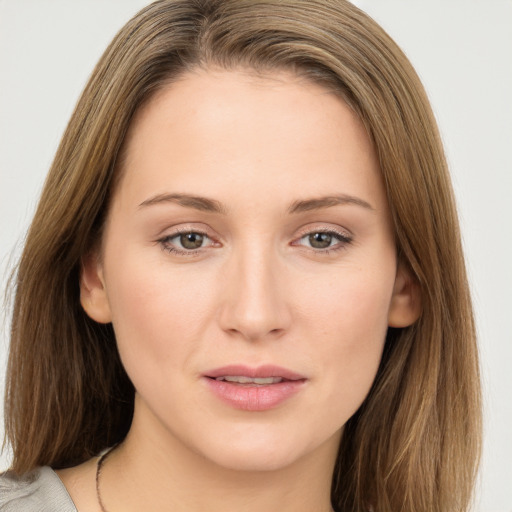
[39, 491]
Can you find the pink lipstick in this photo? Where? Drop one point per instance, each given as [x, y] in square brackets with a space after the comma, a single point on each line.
[254, 389]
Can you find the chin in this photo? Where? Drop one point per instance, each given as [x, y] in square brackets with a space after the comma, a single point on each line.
[254, 460]
[253, 450]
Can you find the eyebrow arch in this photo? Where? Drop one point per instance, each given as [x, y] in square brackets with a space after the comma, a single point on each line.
[211, 205]
[318, 203]
[188, 201]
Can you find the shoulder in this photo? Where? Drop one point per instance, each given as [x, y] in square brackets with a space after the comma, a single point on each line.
[40, 490]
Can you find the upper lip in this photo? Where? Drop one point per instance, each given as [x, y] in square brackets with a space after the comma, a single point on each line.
[263, 371]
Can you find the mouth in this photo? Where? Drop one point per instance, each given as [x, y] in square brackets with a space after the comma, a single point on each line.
[250, 381]
[254, 389]
[258, 375]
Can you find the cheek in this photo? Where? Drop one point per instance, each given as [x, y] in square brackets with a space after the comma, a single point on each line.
[353, 317]
[157, 314]
[352, 308]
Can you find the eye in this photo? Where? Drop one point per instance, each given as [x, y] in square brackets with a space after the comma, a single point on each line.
[186, 242]
[324, 240]
[190, 240]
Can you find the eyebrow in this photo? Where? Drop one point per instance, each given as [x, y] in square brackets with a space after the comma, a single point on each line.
[308, 205]
[213, 206]
[188, 201]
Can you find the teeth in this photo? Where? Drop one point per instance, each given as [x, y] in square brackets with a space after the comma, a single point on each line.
[242, 379]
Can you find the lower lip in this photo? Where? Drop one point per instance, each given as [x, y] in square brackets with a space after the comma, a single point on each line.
[257, 397]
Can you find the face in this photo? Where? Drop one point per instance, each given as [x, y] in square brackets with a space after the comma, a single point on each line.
[248, 267]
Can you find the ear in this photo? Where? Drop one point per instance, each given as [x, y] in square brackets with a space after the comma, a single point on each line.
[93, 292]
[405, 305]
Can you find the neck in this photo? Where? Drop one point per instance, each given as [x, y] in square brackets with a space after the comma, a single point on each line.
[159, 473]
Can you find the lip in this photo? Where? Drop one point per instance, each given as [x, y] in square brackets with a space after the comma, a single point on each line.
[258, 397]
[267, 370]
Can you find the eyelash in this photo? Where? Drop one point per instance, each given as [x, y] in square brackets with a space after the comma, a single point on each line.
[164, 242]
[343, 241]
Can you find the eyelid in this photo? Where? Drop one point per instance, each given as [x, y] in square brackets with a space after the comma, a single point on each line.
[188, 227]
[308, 230]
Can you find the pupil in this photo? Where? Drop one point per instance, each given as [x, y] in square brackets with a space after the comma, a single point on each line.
[191, 240]
[320, 240]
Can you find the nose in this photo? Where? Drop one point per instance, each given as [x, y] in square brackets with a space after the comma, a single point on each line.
[254, 303]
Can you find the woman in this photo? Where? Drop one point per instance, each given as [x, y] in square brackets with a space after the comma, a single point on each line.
[244, 279]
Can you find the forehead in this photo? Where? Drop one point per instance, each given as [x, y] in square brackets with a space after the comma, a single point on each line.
[213, 128]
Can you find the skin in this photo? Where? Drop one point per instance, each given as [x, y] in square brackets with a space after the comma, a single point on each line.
[256, 292]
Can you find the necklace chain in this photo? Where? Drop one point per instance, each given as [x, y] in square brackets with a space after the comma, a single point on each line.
[99, 466]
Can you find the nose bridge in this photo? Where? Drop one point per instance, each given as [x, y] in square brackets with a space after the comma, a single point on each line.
[254, 303]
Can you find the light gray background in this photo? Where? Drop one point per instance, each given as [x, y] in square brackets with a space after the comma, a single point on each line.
[462, 49]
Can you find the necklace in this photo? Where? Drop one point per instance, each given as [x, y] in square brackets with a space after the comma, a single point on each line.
[99, 465]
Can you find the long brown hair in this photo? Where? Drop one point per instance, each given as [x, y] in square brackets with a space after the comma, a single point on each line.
[414, 444]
